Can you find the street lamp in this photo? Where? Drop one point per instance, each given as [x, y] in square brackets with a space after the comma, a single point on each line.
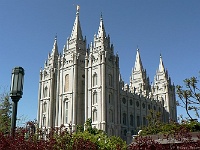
[16, 92]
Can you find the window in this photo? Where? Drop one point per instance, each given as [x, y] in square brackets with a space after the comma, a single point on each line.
[95, 79]
[110, 80]
[143, 105]
[124, 118]
[137, 104]
[124, 100]
[110, 98]
[66, 112]
[144, 121]
[44, 107]
[131, 102]
[131, 120]
[132, 132]
[44, 121]
[66, 88]
[111, 115]
[45, 91]
[138, 121]
[125, 131]
[95, 115]
[149, 107]
[154, 107]
[94, 97]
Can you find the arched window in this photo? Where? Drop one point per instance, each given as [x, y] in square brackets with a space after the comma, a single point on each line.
[95, 79]
[110, 98]
[95, 97]
[110, 80]
[66, 111]
[125, 131]
[131, 102]
[144, 121]
[143, 105]
[137, 104]
[124, 118]
[45, 92]
[44, 107]
[138, 121]
[124, 100]
[66, 88]
[111, 115]
[131, 120]
[95, 115]
[44, 121]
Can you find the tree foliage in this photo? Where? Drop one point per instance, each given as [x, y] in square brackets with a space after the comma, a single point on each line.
[5, 113]
[189, 96]
[60, 138]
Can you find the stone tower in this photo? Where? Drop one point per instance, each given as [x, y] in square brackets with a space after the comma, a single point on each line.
[70, 104]
[101, 82]
[47, 89]
[164, 91]
[139, 82]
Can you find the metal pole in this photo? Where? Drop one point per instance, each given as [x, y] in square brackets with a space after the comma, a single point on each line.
[14, 117]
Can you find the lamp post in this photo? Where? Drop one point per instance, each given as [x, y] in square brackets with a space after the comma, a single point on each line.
[16, 92]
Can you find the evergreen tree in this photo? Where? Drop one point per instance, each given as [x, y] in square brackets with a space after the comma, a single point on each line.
[5, 113]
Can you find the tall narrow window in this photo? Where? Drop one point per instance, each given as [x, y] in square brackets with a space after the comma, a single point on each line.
[124, 118]
[131, 120]
[45, 91]
[95, 97]
[95, 79]
[110, 98]
[111, 115]
[44, 121]
[144, 121]
[110, 80]
[66, 112]
[138, 121]
[44, 107]
[95, 115]
[66, 88]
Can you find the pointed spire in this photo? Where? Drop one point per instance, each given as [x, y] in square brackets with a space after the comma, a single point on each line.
[76, 31]
[161, 65]
[101, 30]
[138, 63]
[55, 46]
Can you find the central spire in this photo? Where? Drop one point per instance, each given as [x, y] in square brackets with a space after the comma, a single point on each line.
[55, 47]
[138, 63]
[76, 31]
[161, 65]
[101, 30]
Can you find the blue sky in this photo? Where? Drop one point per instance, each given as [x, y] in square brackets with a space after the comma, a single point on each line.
[169, 27]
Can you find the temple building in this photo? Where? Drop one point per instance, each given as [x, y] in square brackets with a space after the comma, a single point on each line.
[85, 82]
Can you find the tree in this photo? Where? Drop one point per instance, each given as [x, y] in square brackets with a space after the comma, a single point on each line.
[189, 96]
[5, 113]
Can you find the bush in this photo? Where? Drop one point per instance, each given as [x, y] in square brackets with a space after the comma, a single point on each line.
[59, 139]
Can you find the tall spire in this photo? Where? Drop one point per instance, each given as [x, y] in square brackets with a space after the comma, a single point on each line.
[101, 30]
[138, 63]
[161, 65]
[55, 47]
[76, 31]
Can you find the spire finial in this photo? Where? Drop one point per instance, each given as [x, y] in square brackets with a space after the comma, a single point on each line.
[101, 16]
[77, 8]
[137, 48]
[56, 36]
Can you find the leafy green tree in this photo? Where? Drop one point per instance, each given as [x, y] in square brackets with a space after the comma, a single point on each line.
[5, 113]
[189, 96]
